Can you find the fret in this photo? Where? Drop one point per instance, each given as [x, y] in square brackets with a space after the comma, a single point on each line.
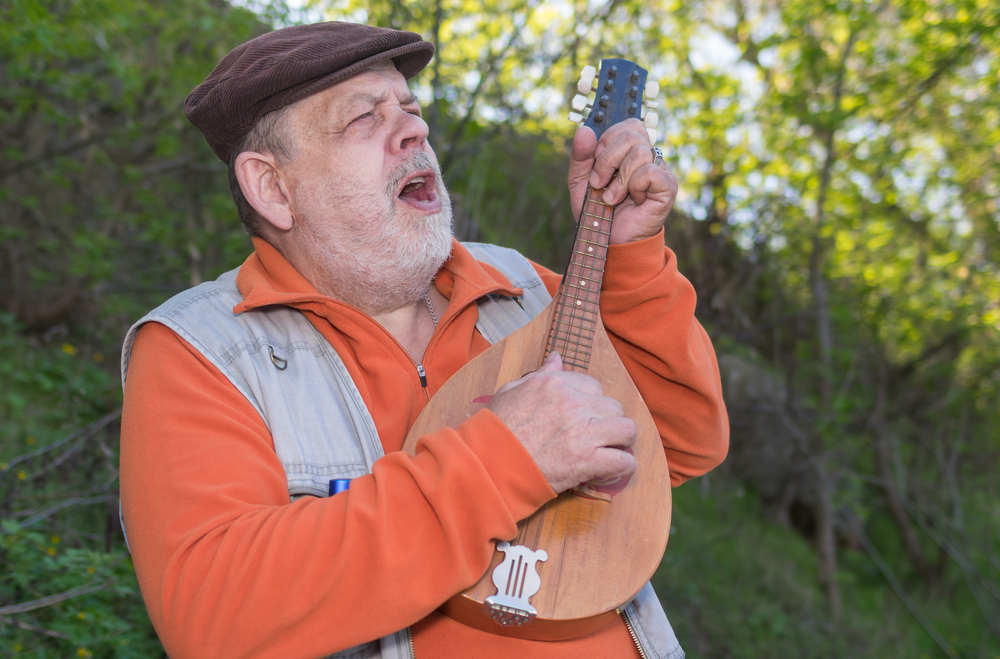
[578, 365]
[569, 348]
[597, 230]
[583, 328]
[586, 298]
[566, 335]
[594, 269]
[591, 242]
[590, 279]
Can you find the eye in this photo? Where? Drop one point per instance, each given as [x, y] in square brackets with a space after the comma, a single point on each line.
[362, 117]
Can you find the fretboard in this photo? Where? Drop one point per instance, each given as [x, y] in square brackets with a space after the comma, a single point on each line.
[576, 315]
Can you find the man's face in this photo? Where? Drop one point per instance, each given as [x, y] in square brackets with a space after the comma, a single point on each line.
[372, 219]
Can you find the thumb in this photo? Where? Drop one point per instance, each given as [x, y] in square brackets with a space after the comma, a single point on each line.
[582, 154]
[552, 363]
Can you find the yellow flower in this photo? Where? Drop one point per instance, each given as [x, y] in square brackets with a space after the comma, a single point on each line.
[82, 652]
[91, 569]
[56, 539]
[21, 475]
[71, 351]
[29, 441]
[98, 357]
[51, 551]
[81, 615]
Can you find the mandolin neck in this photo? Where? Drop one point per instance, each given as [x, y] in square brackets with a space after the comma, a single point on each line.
[577, 309]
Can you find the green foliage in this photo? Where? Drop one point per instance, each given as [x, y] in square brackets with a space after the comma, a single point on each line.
[737, 584]
[840, 162]
[106, 618]
[48, 389]
[111, 202]
[92, 99]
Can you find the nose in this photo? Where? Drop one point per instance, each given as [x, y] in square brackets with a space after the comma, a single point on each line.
[411, 132]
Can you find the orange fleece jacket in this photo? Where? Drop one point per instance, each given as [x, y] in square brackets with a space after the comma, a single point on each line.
[229, 568]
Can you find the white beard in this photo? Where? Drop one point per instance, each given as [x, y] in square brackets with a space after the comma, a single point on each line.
[388, 259]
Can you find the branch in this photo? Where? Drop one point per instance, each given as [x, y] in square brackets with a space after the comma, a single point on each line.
[47, 632]
[91, 587]
[86, 432]
[75, 501]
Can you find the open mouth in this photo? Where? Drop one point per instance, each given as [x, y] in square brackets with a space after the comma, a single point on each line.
[419, 191]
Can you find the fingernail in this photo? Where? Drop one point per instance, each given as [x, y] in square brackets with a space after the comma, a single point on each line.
[594, 180]
[607, 197]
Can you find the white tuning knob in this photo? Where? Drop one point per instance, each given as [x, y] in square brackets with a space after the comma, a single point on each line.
[652, 90]
[652, 105]
[580, 103]
[586, 84]
[650, 120]
[651, 133]
[575, 117]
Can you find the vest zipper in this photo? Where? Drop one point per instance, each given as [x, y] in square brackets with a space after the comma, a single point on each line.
[631, 631]
[423, 375]
[409, 639]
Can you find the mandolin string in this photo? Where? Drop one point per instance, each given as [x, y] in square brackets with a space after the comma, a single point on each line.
[596, 234]
[582, 290]
[575, 328]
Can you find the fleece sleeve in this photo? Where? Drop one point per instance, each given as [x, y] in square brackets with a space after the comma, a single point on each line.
[228, 567]
[648, 310]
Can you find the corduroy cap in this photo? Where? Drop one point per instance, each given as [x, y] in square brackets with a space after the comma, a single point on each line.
[284, 66]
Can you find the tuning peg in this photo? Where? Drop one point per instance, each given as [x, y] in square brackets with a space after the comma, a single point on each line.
[652, 89]
[586, 84]
[651, 133]
[652, 105]
[575, 117]
[650, 120]
[580, 103]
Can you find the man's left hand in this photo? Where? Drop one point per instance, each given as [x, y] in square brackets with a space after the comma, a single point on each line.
[643, 192]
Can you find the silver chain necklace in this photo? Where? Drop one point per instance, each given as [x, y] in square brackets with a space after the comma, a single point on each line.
[430, 307]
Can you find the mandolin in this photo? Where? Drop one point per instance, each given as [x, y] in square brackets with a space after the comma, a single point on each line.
[583, 555]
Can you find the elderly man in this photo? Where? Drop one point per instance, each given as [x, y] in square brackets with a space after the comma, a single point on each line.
[247, 396]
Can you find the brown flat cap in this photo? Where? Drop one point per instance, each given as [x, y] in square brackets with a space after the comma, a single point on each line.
[284, 66]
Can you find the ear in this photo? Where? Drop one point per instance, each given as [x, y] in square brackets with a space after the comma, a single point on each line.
[265, 190]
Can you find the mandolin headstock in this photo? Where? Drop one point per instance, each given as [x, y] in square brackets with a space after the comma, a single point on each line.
[618, 96]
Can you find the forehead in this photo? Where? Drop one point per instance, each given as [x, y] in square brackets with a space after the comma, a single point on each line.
[377, 80]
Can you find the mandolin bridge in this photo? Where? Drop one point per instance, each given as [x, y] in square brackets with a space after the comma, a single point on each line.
[507, 616]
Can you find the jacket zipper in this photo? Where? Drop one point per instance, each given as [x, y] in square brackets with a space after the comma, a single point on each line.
[631, 631]
[423, 380]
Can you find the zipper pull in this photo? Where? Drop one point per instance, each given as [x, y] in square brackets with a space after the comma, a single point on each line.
[518, 300]
[423, 375]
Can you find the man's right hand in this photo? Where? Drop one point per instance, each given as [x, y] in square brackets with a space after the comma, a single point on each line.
[572, 430]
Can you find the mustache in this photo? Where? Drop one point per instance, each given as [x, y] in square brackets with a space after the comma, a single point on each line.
[419, 162]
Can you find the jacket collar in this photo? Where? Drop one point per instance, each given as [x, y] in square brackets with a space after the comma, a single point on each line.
[266, 278]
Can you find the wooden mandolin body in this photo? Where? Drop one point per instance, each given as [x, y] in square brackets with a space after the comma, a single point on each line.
[600, 553]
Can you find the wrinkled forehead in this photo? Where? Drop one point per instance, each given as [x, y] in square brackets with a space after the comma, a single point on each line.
[330, 108]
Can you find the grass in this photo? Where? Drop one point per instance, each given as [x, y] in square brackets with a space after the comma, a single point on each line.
[737, 585]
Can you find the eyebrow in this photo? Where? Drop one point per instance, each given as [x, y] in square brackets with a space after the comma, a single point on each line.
[371, 99]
